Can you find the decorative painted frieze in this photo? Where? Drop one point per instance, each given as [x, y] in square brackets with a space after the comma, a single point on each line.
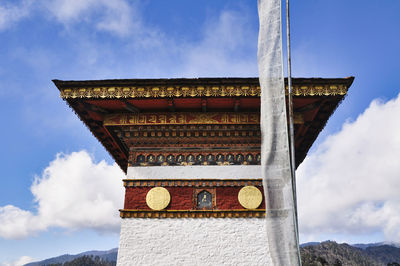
[192, 91]
[224, 118]
[259, 213]
[193, 198]
[195, 158]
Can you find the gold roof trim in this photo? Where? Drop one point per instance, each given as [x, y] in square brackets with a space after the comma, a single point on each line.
[191, 182]
[181, 118]
[242, 213]
[193, 91]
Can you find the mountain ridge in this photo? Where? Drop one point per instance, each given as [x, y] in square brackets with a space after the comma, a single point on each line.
[312, 254]
[108, 255]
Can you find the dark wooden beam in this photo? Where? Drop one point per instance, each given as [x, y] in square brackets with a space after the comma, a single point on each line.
[95, 108]
[171, 105]
[204, 105]
[309, 107]
[130, 107]
[236, 105]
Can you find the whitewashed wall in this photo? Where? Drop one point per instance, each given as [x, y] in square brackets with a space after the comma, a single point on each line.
[211, 241]
[195, 172]
[196, 241]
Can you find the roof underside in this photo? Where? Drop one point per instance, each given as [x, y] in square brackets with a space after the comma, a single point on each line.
[315, 99]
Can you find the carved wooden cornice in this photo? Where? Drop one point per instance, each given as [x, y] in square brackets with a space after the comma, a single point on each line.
[183, 118]
[92, 100]
[193, 91]
[186, 118]
[182, 158]
[191, 182]
[259, 213]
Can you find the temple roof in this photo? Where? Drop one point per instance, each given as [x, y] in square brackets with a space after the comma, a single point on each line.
[315, 99]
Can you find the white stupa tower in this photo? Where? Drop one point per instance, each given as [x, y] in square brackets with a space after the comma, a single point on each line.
[191, 152]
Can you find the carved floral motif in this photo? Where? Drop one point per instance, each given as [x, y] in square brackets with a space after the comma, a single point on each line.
[194, 91]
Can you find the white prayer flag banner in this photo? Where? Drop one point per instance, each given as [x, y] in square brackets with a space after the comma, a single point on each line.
[275, 153]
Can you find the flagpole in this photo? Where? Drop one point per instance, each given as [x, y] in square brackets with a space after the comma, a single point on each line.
[291, 128]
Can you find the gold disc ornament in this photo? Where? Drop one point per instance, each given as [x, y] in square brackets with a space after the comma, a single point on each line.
[158, 198]
[250, 197]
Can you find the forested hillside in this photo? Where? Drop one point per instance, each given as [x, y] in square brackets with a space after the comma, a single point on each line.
[327, 253]
[332, 253]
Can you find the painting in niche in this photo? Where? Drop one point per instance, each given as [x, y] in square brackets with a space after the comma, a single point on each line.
[204, 200]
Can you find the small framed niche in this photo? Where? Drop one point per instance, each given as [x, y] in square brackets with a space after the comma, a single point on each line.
[204, 199]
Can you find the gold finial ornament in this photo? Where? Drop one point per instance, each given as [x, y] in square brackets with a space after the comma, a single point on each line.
[250, 197]
[158, 198]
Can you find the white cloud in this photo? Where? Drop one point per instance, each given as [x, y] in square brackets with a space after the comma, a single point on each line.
[68, 11]
[350, 184]
[72, 193]
[12, 13]
[20, 262]
[115, 16]
[16, 222]
[226, 46]
[225, 49]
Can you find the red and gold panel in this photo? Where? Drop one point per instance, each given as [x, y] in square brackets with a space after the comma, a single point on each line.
[186, 197]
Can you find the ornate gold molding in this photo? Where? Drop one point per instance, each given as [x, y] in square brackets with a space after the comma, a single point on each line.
[259, 213]
[182, 118]
[193, 91]
[191, 182]
[224, 118]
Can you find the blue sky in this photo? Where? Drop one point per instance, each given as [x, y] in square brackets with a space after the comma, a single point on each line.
[352, 170]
